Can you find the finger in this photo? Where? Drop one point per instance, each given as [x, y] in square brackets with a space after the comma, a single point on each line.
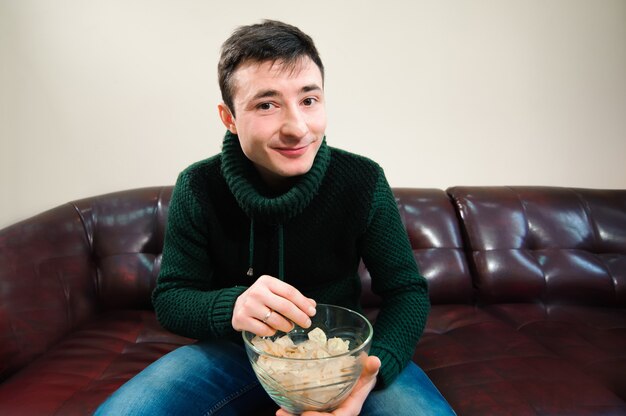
[287, 291]
[289, 311]
[354, 403]
[364, 386]
[257, 327]
[372, 365]
[248, 314]
[269, 294]
[267, 325]
[367, 380]
[291, 304]
[282, 412]
[280, 296]
[252, 303]
[278, 322]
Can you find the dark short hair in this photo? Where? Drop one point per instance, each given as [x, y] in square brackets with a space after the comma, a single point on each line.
[269, 40]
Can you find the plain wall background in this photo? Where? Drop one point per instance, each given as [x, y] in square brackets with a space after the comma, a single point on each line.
[100, 96]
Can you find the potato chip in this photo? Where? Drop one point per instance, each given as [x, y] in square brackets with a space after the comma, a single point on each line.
[309, 373]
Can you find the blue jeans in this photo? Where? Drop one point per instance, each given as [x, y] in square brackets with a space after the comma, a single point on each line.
[216, 378]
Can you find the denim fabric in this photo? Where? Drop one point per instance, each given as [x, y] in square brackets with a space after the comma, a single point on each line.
[412, 393]
[215, 378]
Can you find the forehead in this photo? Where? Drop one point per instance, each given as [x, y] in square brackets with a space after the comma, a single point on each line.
[278, 75]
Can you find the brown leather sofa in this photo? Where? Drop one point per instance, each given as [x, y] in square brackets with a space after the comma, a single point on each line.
[527, 284]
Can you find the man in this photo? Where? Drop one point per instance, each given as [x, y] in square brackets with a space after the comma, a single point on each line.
[261, 232]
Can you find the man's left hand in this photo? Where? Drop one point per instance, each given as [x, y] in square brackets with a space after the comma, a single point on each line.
[353, 404]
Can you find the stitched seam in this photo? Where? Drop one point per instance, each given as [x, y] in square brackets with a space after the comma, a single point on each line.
[526, 243]
[92, 255]
[593, 226]
[84, 223]
[222, 403]
[597, 240]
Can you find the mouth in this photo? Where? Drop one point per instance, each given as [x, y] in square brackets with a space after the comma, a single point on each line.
[292, 152]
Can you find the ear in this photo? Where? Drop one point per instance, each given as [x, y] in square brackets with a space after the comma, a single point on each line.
[227, 117]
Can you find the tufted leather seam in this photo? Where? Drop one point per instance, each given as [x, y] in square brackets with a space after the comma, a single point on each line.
[89, 238]
[525, 243]
[465, 228]
[592, 224]
[466, 248]
[533, 254]
[607, 270]
[158, 212]
[152, 243]
[596, 240]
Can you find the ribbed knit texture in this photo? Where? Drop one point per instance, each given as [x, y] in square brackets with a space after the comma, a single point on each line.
[257, 201]
[342, 210]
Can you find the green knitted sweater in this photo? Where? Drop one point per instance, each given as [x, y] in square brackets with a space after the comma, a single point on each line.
[224, 223]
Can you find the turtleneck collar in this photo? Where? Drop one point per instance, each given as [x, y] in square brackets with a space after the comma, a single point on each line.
[253, 195]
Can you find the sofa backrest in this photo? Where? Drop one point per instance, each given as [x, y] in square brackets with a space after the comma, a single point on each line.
[125, 232]
[545, 244]
[435, 236]
[58, 269]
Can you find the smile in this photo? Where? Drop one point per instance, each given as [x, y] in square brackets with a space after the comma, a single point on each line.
[292, 152]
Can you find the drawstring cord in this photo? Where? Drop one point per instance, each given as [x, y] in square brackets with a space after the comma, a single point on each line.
[250, 272]
[281, 251]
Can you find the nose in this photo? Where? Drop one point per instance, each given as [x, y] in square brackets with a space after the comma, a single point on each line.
[294, 124]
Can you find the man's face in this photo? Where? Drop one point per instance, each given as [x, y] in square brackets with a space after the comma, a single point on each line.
[280, 116]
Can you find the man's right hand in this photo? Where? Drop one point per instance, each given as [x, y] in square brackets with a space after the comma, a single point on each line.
[269, 305]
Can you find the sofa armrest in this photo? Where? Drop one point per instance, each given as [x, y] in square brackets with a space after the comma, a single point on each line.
[47, 284]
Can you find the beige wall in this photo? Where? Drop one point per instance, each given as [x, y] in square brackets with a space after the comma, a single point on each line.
[99, 96]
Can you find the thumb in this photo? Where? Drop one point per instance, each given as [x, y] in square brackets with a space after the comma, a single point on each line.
[371, 367]
[369, 373]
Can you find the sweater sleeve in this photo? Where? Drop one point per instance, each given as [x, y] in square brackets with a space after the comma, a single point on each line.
[387, 254]
[182, 299]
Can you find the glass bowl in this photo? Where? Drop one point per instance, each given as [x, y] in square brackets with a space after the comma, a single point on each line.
[319, 384]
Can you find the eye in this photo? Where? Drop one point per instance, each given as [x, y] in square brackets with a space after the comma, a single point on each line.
[265, 106]
[309, 101]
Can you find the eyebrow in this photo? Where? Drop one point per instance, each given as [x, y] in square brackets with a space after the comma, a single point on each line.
[265, 94]
[274, 93]
[311, 87]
